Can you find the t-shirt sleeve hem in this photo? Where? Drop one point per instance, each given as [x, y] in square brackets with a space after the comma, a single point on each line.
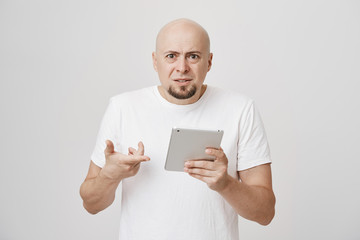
[253, 163]
[96, 161]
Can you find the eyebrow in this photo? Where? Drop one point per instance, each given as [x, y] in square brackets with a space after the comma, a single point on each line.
[191, 52]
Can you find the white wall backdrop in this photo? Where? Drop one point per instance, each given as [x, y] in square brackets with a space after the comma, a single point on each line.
[61, 61]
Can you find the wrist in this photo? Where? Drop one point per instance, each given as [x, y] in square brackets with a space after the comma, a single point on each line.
[228, 185]
[108, 178]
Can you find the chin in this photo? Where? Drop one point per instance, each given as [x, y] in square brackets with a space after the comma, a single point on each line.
[182, 92]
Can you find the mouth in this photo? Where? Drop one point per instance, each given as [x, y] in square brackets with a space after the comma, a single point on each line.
[182, 80]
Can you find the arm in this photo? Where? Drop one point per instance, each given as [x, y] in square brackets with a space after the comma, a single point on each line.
[98, 189]
[252, 197]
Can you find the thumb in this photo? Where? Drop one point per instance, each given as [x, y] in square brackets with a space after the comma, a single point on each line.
[109, 147]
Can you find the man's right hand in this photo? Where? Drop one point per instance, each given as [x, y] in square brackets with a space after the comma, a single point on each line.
[119, 166]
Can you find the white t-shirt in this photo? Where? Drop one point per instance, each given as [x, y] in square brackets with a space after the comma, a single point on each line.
[159, 204]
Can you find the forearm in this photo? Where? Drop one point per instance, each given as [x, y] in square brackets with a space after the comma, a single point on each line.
[255, 203]
[98, 193]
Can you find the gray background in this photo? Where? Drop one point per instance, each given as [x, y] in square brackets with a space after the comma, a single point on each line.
[61, 61]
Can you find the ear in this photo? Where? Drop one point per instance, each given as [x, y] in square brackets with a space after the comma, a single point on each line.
[210, 61]
[154, 61]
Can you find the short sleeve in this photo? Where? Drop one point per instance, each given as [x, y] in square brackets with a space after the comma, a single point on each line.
[109, 130]
[253, 147]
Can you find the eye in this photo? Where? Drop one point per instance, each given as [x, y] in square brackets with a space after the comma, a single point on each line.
[170, 55]
[194, 56]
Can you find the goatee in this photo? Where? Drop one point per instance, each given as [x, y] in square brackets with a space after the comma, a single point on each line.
[183, 93]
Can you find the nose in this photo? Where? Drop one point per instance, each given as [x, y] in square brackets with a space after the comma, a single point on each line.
[182, 65]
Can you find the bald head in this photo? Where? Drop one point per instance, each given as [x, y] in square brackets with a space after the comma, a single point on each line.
[182, 30]
[182, 60]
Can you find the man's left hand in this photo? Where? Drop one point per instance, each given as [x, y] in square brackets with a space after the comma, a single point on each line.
[213, 173]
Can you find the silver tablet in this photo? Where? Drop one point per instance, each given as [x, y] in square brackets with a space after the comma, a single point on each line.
[187, 144]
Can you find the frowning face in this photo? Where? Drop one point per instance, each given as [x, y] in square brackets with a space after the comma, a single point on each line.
[182, 60]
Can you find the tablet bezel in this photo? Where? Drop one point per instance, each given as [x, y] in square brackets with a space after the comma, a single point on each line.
[190, 144]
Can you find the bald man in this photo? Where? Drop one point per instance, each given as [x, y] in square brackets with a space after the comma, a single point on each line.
[205, 201]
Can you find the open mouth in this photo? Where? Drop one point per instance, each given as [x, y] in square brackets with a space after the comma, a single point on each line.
[182, 81]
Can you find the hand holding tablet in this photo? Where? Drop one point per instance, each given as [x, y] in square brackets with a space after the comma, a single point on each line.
[190, 144]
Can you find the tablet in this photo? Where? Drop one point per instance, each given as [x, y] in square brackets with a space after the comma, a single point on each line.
[188, 144]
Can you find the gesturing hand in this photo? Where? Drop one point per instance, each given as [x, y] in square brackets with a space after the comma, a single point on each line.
[119, 166]
[213, 173]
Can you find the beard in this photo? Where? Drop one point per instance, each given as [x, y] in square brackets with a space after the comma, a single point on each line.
[183, 92]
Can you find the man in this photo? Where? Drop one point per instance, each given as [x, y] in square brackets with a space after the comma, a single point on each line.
[159, 204]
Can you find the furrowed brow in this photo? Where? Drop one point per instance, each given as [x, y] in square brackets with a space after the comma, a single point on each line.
[171, 52]
[194, 52]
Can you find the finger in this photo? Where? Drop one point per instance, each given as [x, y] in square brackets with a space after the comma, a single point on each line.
[200, 164]
[218, 153]
[109, 147]
[200, 171]
[136, 165]
[141, 148]
[132, 151]
[200, 177]
[133, 159]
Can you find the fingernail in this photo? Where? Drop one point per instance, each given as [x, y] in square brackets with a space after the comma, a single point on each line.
[208, 151]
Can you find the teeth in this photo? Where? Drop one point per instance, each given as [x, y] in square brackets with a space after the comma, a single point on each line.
[181, 80]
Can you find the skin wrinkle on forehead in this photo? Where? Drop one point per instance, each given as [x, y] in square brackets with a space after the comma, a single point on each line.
[182, 25]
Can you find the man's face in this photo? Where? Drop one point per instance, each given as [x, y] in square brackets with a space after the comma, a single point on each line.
[182, 60]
